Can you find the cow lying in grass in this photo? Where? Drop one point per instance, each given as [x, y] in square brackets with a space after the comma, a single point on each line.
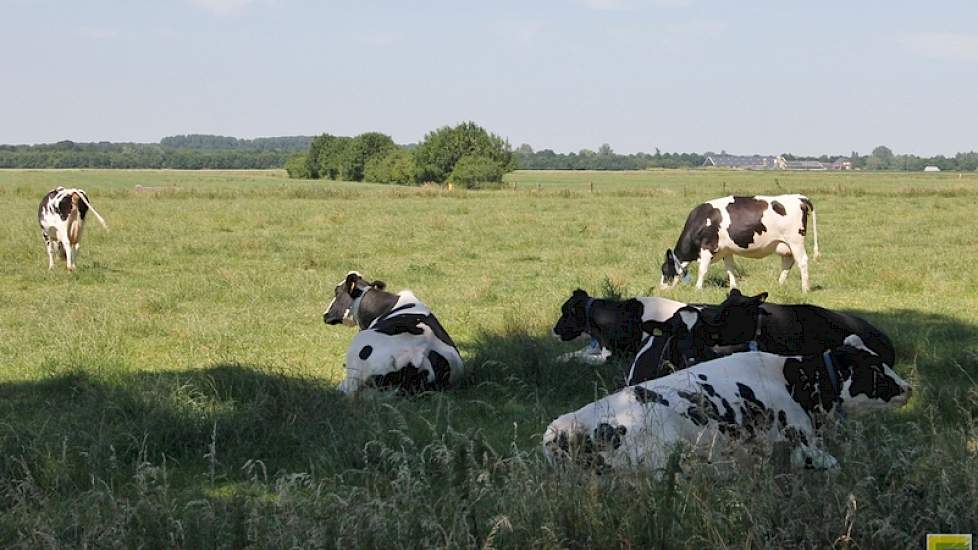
[733, 402]
[400, 345]
[616, 325]
[61, 216]
[742, 323]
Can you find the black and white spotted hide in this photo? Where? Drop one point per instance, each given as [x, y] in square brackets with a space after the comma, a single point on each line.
[400, 344]
[61, 216]
[741, 402]
[753, 227]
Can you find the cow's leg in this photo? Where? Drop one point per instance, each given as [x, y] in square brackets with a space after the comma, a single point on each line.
[50, 248]
[705, 258]
[801, 257]
[69, 252]
[786, 263]
[728, 262]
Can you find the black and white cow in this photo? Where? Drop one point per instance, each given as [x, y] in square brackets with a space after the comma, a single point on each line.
[616, 325]
[730, 403]
[400, 343]
[61, 216]
[741, 323]
[755, 227]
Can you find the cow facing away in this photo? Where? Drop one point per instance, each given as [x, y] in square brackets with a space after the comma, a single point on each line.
[741, 323]
[61, 216]
[400, 343]
[615, 324]
[738, 401]
[754, 227]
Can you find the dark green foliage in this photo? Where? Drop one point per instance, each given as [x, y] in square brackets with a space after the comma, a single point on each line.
[477, 171]
[327, 153]
[298, 166]
[396, 166]
[437, 154]
[604, 159]
[358, 151]
[211, 142]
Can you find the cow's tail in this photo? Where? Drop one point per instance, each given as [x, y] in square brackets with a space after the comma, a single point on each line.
[815, 253]
[92, 209]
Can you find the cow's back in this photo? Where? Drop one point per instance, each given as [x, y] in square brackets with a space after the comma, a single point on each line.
[809, 330]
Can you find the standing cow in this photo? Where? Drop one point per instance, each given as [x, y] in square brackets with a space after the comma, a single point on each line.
[754, 227]
[61, 216]
[400, 345]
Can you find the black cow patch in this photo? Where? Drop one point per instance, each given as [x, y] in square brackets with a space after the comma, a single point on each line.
[646, 396]
[697, 234]
[64, 207]
[806, 207]
[408, 380]
[606, 435]
[443, 371]
[365, 352]
[779, 208]
[400, 324]
[745, 220]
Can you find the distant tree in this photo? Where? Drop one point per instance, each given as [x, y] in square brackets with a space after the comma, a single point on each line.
[396, 166]
[436, 156]
[361, 149]
[297, 166]
[330, 155]
[474, 172]
[524, 149]
[605, 150]
[880, 159]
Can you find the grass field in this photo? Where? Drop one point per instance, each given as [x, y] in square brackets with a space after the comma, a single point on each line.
[178, 390]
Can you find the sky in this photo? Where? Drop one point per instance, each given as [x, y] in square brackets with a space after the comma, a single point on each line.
[747, 77]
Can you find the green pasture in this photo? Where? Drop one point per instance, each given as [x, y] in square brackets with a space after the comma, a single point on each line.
[178, 389]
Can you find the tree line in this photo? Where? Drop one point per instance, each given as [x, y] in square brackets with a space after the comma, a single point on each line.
[192, 152]
[883, 158]
[466, 155]
[603, 159]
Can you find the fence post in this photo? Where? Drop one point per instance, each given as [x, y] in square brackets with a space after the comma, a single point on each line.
[592, 186]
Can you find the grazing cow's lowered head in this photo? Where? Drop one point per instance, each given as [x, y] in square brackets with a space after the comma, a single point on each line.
[61, 216]
[347, 298]
[400, 343]
[673, 270]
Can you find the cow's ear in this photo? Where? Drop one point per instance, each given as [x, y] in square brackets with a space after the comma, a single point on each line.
[669, 254]
[580, 293]
[379, 285]
[734, 293]
[351, 282]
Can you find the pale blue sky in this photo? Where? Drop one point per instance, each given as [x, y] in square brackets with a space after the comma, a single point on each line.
[681, 75]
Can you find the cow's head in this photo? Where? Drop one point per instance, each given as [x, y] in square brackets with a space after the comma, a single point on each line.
[573, 320]
[868, 383]
[673, 270]
[340, 308]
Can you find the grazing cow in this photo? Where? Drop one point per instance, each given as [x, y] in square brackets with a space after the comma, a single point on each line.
[61, 216]
[730, 403]
[400, 344]
[754, 227]
[616, 325]
[742, 323]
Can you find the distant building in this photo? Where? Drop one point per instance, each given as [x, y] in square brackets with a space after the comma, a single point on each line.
[740, 162]
[841, 163]
[799, 164]
[931, 169]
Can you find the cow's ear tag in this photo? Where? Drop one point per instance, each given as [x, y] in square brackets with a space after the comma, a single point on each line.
[657, 332]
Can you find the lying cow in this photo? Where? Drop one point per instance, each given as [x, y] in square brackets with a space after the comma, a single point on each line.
[746, 398]
[742, 323]
[61, 216]
[400, 344]
[616, 325]
[754, 227]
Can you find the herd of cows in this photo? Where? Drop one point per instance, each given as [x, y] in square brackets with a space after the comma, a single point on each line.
[718, 379]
